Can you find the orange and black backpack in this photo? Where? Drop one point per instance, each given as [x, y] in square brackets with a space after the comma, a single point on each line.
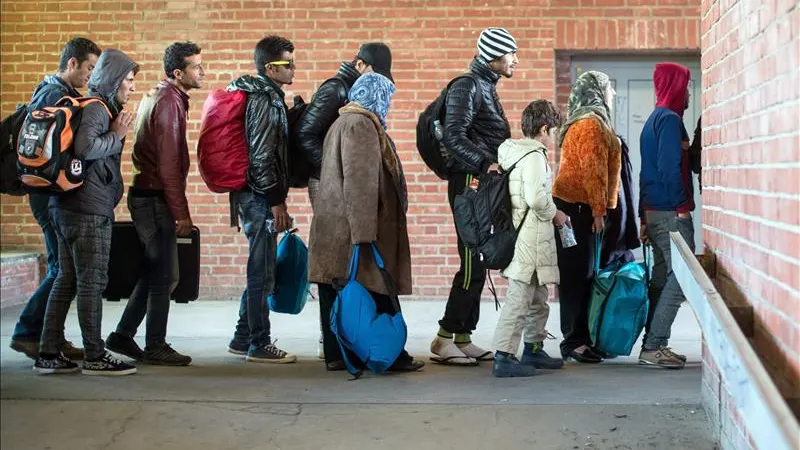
[46, 162]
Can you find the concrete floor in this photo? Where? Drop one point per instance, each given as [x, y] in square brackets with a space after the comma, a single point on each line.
[221, 402]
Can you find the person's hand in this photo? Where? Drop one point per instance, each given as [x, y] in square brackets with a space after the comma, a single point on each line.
[122, 124]
[598, 225]
[494, 168]
[281, 219]
[561, 219]
[643, 234]
[183, 227]
[684, 216]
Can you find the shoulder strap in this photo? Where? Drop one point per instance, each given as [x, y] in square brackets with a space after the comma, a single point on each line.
[514, 166]
[82, 102]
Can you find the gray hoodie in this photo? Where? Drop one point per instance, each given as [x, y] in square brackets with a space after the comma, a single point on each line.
[95, 144]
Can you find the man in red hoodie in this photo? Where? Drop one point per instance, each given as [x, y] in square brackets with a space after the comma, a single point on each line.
[158, 205]
[665, 205]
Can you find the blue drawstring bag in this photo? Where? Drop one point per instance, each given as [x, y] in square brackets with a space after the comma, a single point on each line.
[376, 338]
[619, 303]
[291, 276]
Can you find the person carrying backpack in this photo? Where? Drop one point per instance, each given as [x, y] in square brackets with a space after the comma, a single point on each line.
[261, 205]
[83, 219]
[534, 264]
[322, 111]
[78, 59]
[363, 200]
[473, 129]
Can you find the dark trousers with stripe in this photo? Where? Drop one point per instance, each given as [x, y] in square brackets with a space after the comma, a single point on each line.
[463, 306]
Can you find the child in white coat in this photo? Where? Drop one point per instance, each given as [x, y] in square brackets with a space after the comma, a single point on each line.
[535, 263]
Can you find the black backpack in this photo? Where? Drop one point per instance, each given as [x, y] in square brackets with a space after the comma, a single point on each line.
[484, 219]
[9, 134]
[430, 133]
[299, 167]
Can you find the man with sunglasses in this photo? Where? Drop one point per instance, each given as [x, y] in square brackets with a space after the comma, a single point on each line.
[261, 205]
[323, 111]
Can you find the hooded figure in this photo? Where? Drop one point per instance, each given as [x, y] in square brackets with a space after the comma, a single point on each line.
[665, 180]
[96, 145]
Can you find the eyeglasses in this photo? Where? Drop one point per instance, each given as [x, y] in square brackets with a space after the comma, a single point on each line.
[289, 63]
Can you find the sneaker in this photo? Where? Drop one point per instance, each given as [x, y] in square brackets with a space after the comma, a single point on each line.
[661, 357]
[238, 348]
[54, 364]
[107, 365]
[164, 355]
[506, 365]
[269, 354]
[29, 348]
[124, 345]
[534, 355]
[71, 352]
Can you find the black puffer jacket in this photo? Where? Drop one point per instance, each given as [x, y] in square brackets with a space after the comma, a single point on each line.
[310, 131]
[473, 137]
[267, 136]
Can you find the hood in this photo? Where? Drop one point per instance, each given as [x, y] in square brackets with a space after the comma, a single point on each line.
[512, 150]
[481, 69]
[251, 84]
[671, 83]
[109, 73]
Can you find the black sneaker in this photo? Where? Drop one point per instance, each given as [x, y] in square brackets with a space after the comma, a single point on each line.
[46, 365]
[107, 365]
[269, 354]
[124, 345]
[164, 355]
[238, 348]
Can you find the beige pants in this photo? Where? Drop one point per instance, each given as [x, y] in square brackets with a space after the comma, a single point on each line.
[526, 309]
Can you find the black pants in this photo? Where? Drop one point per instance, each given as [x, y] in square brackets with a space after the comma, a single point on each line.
[575, 265]
[327, 295]
[464, 304]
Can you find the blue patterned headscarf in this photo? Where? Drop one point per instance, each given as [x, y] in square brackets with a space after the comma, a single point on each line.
[374, 92]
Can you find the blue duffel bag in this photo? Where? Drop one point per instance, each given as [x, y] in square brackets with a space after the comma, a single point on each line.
[619, 303]
[291, 276]
[377, 339]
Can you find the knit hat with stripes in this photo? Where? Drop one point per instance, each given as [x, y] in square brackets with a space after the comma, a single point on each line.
[494, 43]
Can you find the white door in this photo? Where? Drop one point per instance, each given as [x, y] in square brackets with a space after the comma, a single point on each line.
[633, 81]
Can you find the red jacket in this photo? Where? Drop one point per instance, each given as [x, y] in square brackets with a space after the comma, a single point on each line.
[161, 153]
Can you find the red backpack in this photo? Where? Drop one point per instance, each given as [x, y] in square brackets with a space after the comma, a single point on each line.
[222, 154]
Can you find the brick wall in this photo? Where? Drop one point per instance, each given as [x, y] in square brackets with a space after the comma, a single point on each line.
[430, 45]
[20, 274]
[751, 194]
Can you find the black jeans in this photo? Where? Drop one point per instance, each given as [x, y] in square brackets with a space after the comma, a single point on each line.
[155, 226]
[576, 268]
[464, 304]
[327, 295]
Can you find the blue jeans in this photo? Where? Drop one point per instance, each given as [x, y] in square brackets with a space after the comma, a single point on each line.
[159, 276]
[31, 320]
[254, 211]
[666, 294]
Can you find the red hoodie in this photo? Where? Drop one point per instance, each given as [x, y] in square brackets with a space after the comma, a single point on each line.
[671, 82]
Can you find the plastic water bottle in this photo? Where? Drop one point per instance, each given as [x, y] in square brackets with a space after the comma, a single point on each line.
[438, 131]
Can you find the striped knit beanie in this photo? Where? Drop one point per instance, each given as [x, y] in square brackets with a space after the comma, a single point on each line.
[494, 43]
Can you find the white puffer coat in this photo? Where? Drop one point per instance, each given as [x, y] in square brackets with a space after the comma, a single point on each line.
[530, 185]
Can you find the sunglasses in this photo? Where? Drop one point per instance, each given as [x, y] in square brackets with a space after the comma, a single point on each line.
[289, 63]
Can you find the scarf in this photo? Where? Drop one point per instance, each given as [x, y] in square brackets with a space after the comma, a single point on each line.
[587, 99]
[374, 92]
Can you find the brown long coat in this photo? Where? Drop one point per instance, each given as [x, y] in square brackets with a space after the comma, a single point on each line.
[358, 202]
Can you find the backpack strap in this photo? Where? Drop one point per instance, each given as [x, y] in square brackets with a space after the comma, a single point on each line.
[82, 102]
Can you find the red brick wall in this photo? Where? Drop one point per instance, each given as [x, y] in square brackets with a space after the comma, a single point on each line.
[19, 277]
[751, 194]
[430, 45]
